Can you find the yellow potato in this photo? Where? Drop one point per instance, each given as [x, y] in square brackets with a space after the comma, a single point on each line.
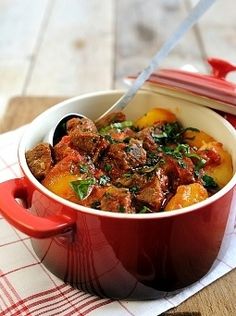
[197, 139]
[223, 172]
[187, 195]
[153, 116]
[60, 185]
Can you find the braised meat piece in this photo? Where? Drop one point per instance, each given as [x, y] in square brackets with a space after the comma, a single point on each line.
[148, 141]
[120, 135]
[39, 160]
[109, 198]
[93, 200]
[179, 171]
[211, 157]
[89, 143]
[117, 200]
[152, 195]
[84, 141]
[122, 157]
[63, 149]
[151, 135]
[132, 180]
[111, 118]
[80, 124]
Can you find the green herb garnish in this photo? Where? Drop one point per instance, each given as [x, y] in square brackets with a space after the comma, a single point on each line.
[121, 208]
[171, 133]
[209, 182]
[145, 209]
[83, 168]
[82, 187]
[181, 151]
[127, 175]
[128, 149]
[107, 167]
[96, 205]
[134, 189]
[118, 126]
[103, 180]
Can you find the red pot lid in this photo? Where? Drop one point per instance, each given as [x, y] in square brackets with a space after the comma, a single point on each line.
[213, 86]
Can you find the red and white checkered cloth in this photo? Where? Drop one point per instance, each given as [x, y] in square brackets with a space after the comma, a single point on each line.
[28, 288]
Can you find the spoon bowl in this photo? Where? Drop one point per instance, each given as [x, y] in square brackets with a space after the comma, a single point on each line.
[59, 130]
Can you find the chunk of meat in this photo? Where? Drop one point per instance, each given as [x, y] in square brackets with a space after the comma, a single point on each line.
[93, 200]
[88, 142]
[152, 194]
[80, 124]
[39, 160]
[111, 118]
[63, 149]
[117, 200]
[84, 141]
[179, 171]
[132, 180]
[136, 154]
[121, 135]
[148, 141]
[211, 156]
[122, 157]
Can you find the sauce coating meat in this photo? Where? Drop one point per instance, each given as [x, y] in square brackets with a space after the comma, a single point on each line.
[151, 165]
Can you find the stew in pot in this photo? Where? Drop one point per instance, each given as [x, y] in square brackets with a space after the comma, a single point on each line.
[151, 165]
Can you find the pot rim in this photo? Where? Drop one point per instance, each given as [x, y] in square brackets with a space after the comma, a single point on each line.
[77, 207]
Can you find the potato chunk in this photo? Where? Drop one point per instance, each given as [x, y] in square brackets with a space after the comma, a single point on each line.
[153, 116]
[222, 172]
[197, 138]
[61, 175]
[187, 195]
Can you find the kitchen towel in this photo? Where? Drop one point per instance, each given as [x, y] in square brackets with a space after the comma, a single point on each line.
[27, 288]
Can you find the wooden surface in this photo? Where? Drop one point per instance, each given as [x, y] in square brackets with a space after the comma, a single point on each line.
[218, 299]
[62, 48]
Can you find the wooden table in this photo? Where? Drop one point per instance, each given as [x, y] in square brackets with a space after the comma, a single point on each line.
[218, 299]
[50, 47]
[65, 50]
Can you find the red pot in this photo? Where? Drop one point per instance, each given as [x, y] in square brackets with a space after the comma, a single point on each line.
[134, 256]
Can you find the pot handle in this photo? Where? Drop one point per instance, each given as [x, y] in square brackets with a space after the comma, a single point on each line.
[18, 216]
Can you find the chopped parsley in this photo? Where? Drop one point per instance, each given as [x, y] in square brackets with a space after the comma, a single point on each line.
[121, 208]
[103, 180]
[96, 205]
[107, 167]
[171, 133]
[209, 183]
[82, 187]
[181, 151]
[145, 209]
[118, 126]
[134, 189]
[83, 168]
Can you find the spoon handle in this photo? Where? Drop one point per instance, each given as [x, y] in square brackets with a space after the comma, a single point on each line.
[201, 7]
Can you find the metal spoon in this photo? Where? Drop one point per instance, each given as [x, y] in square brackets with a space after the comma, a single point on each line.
[59, 130]
[194, 15]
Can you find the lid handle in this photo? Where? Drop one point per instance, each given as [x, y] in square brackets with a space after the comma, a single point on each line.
[220, 67]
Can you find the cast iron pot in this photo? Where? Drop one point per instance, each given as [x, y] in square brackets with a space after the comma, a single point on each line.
[132, 256]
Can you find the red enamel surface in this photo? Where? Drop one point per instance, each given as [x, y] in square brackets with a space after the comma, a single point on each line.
[119, 257]
[213, 86]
